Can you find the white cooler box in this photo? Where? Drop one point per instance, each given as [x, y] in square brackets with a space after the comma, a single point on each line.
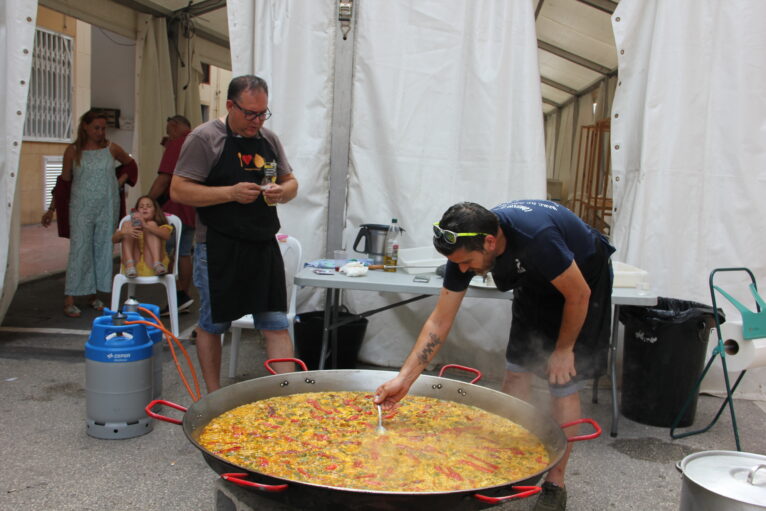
[423, 259]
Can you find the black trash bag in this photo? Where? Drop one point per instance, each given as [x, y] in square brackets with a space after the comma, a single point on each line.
[308, 339]
[664, 353]
[668, 310]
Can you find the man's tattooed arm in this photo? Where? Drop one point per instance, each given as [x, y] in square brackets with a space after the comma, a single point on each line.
[425, 356]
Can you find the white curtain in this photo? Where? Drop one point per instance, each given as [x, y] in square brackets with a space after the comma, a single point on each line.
[291, 45]
[688, 151]
[445, 107]
[690, 171]
[17, 34]
[566, 154]
[551, 141]
[154, 98]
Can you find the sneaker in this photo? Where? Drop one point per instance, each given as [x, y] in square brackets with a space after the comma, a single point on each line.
[552, 498]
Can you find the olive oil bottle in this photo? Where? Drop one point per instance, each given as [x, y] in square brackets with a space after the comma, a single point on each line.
[391, 251]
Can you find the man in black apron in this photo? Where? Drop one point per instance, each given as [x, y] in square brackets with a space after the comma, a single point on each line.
[238, 266]
[560, 271]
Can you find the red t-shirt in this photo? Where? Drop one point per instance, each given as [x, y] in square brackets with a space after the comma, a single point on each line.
[168, 166]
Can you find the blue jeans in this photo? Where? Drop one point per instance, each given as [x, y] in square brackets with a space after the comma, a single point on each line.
[275, 320]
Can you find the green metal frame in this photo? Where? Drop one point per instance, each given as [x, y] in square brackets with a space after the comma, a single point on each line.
[753, 327]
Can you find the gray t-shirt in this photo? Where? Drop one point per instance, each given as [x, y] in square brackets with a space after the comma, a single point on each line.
[202, 150]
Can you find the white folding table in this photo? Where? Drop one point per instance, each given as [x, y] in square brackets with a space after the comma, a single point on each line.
[401, 282]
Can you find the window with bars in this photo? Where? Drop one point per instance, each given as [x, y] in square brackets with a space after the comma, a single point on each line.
[49, 104]
[52, 168]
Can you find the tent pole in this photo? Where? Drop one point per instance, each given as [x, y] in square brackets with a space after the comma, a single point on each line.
[341, 135]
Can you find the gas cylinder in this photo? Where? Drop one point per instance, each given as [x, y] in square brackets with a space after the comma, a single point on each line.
[131, 309]
[131, 305]
[118, 378]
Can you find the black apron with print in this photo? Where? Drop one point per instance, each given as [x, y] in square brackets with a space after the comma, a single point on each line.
[245, 268]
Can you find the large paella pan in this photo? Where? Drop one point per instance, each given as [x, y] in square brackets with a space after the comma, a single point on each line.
[307, 495]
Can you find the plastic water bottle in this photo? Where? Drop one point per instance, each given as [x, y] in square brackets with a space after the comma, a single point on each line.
[269, 178]
[391, 251]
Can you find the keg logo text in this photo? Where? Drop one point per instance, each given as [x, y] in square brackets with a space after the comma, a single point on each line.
[119, 356]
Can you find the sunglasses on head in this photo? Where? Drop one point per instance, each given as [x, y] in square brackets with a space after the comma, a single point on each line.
[451, 237]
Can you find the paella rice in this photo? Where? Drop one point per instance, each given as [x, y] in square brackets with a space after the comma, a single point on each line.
[329, 438]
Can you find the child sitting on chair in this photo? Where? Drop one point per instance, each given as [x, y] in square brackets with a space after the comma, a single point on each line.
[143, 238]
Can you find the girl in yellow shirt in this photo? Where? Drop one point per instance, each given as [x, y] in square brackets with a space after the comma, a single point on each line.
[143, 240]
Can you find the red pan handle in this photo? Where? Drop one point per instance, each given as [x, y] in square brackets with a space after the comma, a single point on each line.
[296, 360]
[237, 479]
[580, 438]
[156, 402]
[526, 491]
[464, 368]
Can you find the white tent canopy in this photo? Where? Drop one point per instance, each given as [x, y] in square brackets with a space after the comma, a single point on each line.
[17, 31]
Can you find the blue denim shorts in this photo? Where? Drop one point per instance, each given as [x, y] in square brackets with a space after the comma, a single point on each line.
[567, 389]
[187, 239]
[275, 320]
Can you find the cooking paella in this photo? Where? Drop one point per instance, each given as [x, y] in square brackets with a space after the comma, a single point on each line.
[330, 438]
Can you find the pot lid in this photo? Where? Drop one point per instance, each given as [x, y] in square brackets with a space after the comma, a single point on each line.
[740, 476]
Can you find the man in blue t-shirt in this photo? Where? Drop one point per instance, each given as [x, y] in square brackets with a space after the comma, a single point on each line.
[561, 276]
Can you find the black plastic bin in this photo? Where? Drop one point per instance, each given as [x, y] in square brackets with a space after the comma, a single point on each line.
[663, 357]
[308, 339]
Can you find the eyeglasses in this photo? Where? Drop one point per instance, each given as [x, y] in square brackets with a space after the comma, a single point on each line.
[450, 236]
[250, 115]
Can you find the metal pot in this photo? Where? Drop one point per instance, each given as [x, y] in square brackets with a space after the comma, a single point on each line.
[723, 480]
[374, 236]
[305, 495]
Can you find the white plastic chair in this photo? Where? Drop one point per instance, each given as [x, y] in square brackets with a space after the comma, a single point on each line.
[168, 280]
[292, 254]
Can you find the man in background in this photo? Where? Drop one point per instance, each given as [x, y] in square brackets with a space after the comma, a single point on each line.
[177, 128]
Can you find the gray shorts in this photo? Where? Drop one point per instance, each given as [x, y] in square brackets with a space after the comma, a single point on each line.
[567, 389]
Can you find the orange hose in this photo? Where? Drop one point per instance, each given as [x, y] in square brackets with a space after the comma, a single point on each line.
[169, 337]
